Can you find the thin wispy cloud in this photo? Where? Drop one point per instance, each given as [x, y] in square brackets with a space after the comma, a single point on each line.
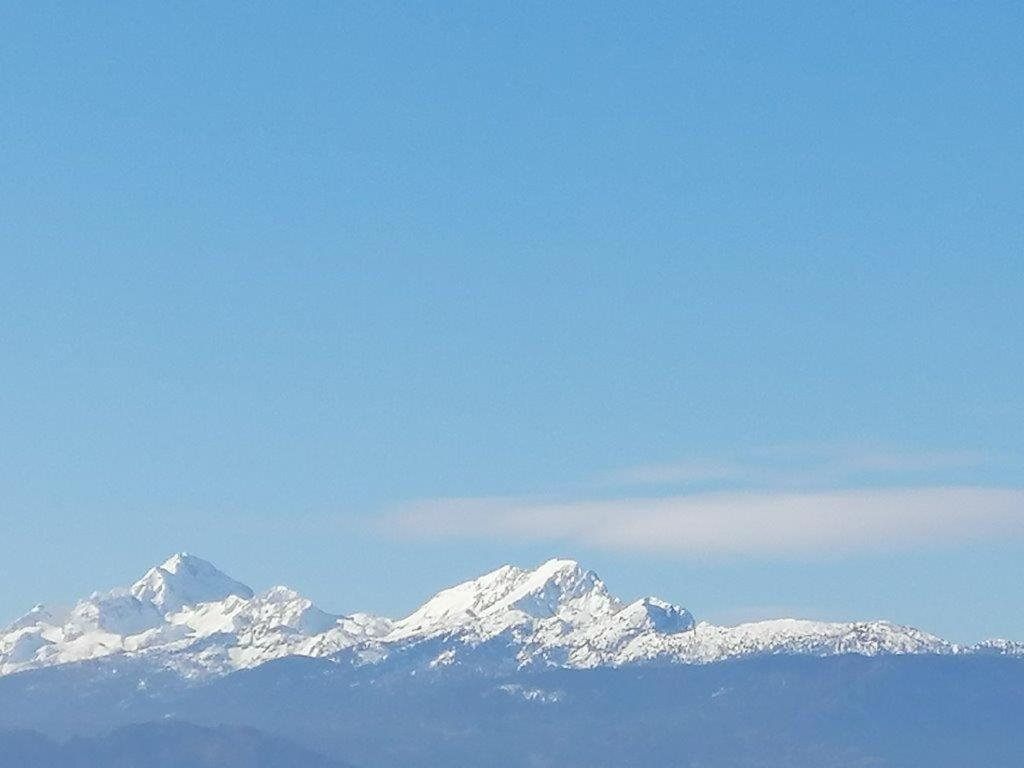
[771, 501]
[767, 523]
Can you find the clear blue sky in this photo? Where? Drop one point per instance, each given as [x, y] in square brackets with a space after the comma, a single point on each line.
[279, 279]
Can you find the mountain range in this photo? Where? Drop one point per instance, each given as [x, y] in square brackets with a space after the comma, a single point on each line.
[519, 667]
[187, 616]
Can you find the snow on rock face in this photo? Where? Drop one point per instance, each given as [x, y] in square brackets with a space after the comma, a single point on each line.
[39, 615]
[561, 588]
[999, 647]
[650, 613]
[279, 608]
[557, 614]
[815, 638]
[187, 616]
[463, 603]
[510, 596]
[115, 613]
[186, 580]
[20, 646]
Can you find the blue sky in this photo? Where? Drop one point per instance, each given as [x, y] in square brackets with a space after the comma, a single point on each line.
[722, 299]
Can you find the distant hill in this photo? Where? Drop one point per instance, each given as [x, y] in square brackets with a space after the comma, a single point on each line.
[767, 712]
[159, 745]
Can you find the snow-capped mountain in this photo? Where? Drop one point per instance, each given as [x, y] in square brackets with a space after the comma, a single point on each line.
[185, 580]
[187, 616]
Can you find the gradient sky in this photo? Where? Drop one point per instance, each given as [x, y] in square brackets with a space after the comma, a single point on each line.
[280, 282]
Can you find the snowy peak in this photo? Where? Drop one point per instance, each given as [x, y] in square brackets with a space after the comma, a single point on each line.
[561, 588]
[465, 602]
[652, 614]
[186, 580]
[281, 607]
[185, 615]
[39, 615]
[511, 596]
[115, 613]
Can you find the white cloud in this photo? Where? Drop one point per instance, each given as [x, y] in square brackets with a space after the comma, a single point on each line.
[733, 523]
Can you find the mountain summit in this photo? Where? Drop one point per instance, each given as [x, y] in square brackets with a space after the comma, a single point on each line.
[185, 579]
[511, 596]
[187, 616]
